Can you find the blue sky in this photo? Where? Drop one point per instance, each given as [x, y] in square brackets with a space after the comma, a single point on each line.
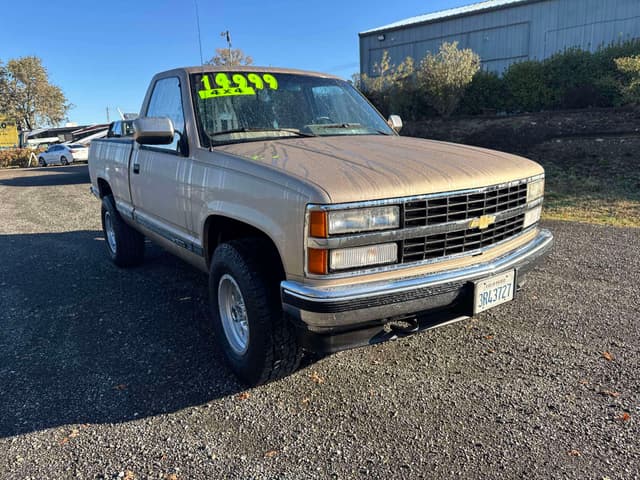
[103, 54]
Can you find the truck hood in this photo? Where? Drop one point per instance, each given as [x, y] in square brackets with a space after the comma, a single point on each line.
[372, 167]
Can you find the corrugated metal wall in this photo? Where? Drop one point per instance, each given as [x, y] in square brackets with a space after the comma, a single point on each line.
[501, 37]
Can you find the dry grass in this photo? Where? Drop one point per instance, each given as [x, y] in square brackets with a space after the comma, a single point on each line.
[595, 180]
[620, 213]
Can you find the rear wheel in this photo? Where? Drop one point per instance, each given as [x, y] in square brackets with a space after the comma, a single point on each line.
[258, 342]
[41, 162]
[124, 244]
[64, 161]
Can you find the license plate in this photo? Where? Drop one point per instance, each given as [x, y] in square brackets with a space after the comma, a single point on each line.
[493, 291]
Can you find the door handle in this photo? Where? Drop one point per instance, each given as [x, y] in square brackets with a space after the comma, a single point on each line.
[136, 168]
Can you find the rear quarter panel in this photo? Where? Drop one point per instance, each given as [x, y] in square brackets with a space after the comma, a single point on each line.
[109, 160]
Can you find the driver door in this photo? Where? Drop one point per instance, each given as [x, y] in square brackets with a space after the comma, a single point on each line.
[157, 172]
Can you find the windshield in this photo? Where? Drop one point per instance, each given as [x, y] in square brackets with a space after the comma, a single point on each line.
[248, 106]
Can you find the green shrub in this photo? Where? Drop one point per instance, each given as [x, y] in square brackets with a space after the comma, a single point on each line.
[485, 94]
[601, 92]
[527, 89]
[445, 76]
[569, 75]
[604, 60]
[573, 79]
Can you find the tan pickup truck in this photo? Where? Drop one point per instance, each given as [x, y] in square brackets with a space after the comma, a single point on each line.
[319, 226]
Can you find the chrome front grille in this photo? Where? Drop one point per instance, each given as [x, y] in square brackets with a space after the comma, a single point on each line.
[436, 227]
[438, 210]
[460, 241]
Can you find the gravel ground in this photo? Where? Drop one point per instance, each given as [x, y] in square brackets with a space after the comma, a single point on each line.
[106, 373]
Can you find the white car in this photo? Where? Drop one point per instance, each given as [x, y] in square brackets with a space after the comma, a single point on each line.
[63, 154]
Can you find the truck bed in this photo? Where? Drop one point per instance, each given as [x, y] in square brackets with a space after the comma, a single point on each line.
[109, 159]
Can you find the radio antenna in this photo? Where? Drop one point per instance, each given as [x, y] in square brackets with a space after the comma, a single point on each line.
[195, 2]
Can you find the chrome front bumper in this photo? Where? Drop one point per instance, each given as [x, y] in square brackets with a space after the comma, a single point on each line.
[327, 309]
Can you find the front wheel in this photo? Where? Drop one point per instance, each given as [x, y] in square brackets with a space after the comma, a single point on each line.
[258, 342]
[124, 244]
[41, 162]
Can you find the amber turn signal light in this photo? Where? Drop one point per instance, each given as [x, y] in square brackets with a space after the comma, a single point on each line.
[318, 261]
[318, 224]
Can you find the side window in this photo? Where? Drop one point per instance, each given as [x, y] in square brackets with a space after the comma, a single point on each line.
[166, 101]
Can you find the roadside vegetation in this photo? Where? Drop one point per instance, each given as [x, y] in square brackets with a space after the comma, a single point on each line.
[18, 157]
[573, 79]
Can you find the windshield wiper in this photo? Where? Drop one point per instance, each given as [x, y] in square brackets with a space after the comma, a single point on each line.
[339, 125]
[350, 125]
[256, 129]
[213, 142]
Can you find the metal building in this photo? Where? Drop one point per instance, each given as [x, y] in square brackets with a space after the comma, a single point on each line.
[505, 31]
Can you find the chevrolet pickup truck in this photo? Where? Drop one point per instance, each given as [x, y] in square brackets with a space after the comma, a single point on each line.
[320, 228]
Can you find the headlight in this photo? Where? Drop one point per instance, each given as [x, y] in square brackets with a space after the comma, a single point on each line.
[345, 258]
[363, 220]
[532, 216]
[535, 190]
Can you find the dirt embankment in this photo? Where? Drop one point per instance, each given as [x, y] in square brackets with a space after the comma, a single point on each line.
[519, 133]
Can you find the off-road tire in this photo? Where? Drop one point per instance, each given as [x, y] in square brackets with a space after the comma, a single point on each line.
[129, 249]
[273, 351]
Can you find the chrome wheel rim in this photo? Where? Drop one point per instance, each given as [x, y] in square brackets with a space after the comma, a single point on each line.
[233, 314]
[110, 232]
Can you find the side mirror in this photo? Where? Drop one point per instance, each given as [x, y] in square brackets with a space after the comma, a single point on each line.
[153, 130]
[395, 122]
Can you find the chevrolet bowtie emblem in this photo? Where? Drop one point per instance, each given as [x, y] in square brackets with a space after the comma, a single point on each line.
[482, 222]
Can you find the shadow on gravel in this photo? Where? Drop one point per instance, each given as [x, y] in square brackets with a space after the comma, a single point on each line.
[82, 341]
[72, 175]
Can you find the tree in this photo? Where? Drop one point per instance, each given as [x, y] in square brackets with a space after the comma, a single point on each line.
[445, 76]
[230, 57]
[27, 96]
[391, 83]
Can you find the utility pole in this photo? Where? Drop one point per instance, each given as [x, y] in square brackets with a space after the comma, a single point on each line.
[227, 34]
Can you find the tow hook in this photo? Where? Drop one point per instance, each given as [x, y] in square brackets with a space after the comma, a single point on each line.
[403, 325]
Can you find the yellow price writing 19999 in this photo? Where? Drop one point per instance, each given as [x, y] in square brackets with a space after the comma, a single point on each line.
[237, 85]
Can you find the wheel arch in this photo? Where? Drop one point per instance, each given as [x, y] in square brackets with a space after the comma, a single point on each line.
[220, 229]
[104, 188]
